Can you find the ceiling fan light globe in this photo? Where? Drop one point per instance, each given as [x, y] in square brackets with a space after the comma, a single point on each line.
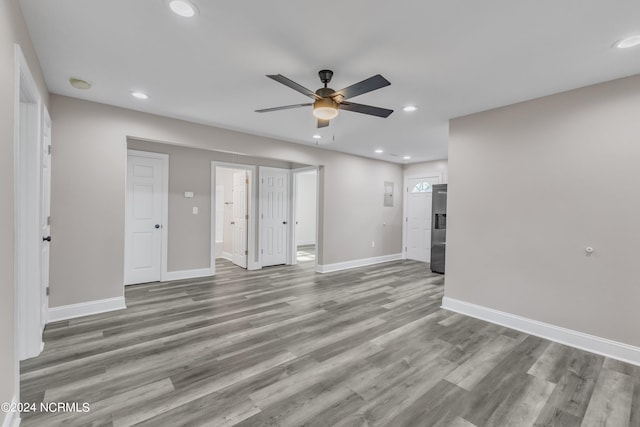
[325, 109]
[325, 113]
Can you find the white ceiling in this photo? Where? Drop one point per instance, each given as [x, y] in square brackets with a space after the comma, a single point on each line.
[448, 57]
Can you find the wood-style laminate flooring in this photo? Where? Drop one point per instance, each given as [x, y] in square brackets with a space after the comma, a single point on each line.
[286, 346]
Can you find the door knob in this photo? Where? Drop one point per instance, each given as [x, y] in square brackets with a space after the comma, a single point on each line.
[46, 239]
[233, 222]
[157, 226]
[284, 222]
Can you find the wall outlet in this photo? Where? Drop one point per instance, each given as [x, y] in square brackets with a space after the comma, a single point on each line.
[195, 210]
[373, 243]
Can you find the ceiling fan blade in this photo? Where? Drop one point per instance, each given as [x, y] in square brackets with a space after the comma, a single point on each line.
[293, 85]
[365, 109]
[323, 123]
[367, 85]
[286, 107]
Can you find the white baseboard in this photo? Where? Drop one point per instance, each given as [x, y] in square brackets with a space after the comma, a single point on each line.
[188, 274]
[328, 268]
[85, 309]
[602, 346]
[12, 419]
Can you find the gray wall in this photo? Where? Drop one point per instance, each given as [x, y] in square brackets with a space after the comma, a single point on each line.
[306, 208]
[531, 186]
[428, 168]
[12, 30]
[189, 239]
[88, 186]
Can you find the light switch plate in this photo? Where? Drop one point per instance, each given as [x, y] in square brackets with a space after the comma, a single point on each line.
[188, 194]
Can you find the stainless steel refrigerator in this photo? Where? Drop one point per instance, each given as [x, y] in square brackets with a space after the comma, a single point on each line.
[438, 227]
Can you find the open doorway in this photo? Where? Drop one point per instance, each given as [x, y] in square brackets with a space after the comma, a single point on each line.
[233, 201]
[32, 157]
[305, 195]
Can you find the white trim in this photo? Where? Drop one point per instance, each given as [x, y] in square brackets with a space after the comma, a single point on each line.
[86, 309]
[328, 268]
[12, 419]
[602, 346]
[189, 274]
[405, 205]
[252, 257]
[164, 229]
[305, 243]
[227, 255]
[292, 252]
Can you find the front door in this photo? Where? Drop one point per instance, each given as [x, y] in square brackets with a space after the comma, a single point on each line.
[419, 199]
[240, 218]
[274, 206]
[143, 249]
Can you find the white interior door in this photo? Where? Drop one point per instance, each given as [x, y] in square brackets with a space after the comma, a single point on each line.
[419, 199]
[240, 218]
[45, 215]
[274, 207]
[143, 249]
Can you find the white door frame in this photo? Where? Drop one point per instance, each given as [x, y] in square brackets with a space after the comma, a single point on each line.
[164, 227]
[290, 223]
[28, 110]
[295, 173]
[405, 204]
[253, 261]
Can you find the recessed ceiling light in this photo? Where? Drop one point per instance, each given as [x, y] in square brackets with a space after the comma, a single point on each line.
[140, 95]
[184, 8]
[628, 42]
[316, 136]
[379, 151]
[406, 157]
[410, 108]
[79, 83]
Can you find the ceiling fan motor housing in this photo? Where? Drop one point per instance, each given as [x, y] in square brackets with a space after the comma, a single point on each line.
[325, 92]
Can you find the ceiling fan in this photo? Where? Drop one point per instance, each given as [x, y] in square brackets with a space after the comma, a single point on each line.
[327, 101]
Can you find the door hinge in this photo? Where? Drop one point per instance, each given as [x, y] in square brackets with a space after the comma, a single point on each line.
[48, 291]
[246, 181]
[49, 220]
[246, 216]
[261, 251]
[49, 149]
[406, 219]
[246, 252]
